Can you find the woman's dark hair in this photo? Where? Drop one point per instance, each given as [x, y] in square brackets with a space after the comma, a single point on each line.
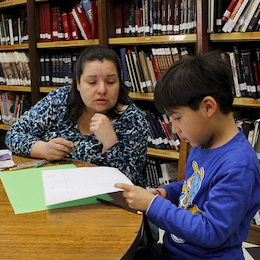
[191, 79]
[75, 104]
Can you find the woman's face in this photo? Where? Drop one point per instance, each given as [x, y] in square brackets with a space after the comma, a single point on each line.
[99, 86]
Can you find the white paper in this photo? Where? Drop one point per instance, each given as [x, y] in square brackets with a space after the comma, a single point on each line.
[7, 163]
[72, 184]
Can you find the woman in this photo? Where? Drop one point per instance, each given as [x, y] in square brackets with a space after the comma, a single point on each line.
[92, 120]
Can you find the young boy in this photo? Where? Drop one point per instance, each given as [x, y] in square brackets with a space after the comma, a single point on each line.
[206, 216]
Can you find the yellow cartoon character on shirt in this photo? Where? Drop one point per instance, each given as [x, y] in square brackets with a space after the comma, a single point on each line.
[191, 187]
[189, 190]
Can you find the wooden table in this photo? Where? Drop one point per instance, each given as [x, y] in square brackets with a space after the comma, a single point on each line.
[95, 231]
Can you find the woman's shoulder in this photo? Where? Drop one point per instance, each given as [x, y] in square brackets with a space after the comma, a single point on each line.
[60, 95]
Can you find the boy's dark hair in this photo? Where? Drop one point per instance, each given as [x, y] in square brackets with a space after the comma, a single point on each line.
[191, 79]
[75, 104]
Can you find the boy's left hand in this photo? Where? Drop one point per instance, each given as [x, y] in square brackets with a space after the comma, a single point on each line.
[137, 197]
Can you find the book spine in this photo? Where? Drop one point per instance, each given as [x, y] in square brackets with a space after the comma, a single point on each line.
[95, 20]
[247, 63]
[230, 8]
[254, 20]
[66, 26]
[119, 19]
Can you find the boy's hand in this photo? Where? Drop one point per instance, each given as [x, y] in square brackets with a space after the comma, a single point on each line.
[160, 191]
[137, 197]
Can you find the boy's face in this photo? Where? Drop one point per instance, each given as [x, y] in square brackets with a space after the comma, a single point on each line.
[191, 125]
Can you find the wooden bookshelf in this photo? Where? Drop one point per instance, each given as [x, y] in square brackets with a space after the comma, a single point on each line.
[187, 38]
[15, 88]
[159, 153]
[235, 37]
[12, 3]
[4, 127]
[64, 44]
[15, 47]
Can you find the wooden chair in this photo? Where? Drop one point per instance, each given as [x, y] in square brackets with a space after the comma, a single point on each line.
[184, 151]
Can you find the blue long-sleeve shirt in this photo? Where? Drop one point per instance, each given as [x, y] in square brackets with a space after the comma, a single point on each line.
[48, 119]
[208, 215]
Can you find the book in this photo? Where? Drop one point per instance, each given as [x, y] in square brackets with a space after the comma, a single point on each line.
[82, 22]
[252, 25]
[94, 24]
[74, 29]
[248, 70]
[230, 8]
[242, 19]
[257, 77]
[240, 75]
[124, 67]
[55, 23]
[119, 19]
[229, 25]
[66, 26]
[86, 4]
[250, 14]
[232, 60]
[146, 72]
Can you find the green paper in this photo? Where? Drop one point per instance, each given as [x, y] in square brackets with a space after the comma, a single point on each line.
[24, 189]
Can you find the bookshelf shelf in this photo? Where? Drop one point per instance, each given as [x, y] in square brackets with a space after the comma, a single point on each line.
[14, 47]
[12, 3]
[4, 127]
[246, 102]
[186, 38]
[62, 44]
[141, 96]
[167, 154]
[15, 88]
[47, 89]
[235, 37]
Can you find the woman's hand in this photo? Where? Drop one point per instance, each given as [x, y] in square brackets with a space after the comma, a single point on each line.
[55, 149]
[101, 127]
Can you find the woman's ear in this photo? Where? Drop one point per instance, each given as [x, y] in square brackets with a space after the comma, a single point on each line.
[210, 105]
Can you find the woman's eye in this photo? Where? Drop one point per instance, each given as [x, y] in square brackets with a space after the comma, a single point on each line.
[178, 118]
[92, 82]
[110, 82]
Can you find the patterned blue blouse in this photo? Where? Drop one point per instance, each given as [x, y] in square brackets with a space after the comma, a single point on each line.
[48, 119]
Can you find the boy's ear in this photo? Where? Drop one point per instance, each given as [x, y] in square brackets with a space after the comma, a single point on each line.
[210, 105]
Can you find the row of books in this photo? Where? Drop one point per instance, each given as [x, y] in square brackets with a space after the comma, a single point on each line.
[14, 69]
[245, 66]
[141, 70]
[12, 106]
[13, 29]
[234, 16]
[57, 68]
[155, 17]
[160, 172]
[161, 135]
[79, 23]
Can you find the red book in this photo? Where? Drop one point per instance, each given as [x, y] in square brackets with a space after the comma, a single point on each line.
[257, 77]
[229, 10]
[156, 71]
[82, 21]
[126, 6]
[94, 19]
[66, 26]
[55, 23]
[119, 19]
[41, 22]
[139, 23]
[74, 29]
[48, 19]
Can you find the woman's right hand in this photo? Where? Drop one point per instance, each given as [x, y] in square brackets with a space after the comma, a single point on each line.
[55, 149]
